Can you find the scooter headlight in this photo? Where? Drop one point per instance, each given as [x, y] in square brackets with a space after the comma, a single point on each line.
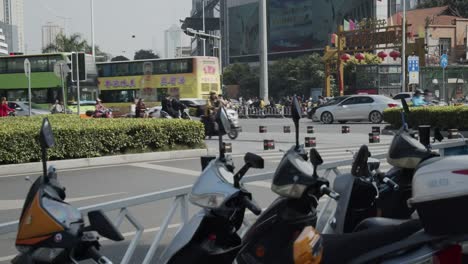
[209, 200]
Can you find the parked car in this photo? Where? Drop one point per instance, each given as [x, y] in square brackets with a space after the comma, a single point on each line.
[406, 95]
[356, 108]
[330, 101]
[22, 109]
[198, 104]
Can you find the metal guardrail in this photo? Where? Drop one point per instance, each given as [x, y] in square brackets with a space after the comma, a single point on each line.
[257, 112]
[179, 196]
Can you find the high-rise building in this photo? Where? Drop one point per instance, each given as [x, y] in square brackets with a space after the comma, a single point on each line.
[11, 35]
[50, 31]
[3, 44]
[174, 38]
[13, 14]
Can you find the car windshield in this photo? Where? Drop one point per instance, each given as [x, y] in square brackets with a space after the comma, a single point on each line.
[336, 100]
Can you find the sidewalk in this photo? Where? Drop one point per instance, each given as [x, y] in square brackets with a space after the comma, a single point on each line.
[36, 167]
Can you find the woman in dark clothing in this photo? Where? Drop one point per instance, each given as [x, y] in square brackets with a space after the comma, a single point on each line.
[140, 108]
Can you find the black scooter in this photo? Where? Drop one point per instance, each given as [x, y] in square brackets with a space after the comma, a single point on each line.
[52, 231]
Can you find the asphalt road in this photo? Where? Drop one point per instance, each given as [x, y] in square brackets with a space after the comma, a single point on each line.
[100, 184]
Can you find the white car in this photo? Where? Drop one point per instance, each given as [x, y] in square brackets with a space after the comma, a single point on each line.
[356, 108]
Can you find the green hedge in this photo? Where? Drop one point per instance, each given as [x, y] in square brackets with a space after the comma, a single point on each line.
[86, 138]
[444, 117]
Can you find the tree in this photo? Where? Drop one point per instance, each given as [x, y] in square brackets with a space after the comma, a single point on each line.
[145, 54]
[74, 43]
[120, 58]
[296, 76]
[66, 44]
[244, 76]
[456, 7]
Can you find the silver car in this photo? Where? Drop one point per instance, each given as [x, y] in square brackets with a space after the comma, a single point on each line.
[356, 108]
[22, 109]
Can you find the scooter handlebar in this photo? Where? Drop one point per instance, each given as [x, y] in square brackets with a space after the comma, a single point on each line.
[94, 254]
[252, 206]
[329, 192]
[391, 183]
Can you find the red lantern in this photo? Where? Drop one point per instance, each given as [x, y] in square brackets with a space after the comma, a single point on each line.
[345, 57]
[395, 54]
[382, 55]
[359, 57]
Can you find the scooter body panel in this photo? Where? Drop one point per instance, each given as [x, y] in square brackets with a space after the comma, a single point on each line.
[275, 231]
[343, 185]
[184, 236]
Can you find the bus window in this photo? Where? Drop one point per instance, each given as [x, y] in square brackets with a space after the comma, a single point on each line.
[52, 60]
[160, 67]
[121, 69]
[15, 65]
[118, 96]
[3, 66]
[39, 64]
[135, 68]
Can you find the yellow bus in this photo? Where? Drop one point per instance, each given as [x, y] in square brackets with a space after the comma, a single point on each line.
[120, 83]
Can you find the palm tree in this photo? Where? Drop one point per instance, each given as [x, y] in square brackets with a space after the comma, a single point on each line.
[67, 44]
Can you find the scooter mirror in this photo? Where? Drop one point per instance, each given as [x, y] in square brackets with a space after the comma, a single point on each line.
[296, 110]
[405, 106]
[254, 161]
[359, 167]
[222, 120]
[100, 223]
[46, 136]
[315, 157]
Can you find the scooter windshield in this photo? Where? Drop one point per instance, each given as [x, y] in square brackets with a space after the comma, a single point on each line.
[213, 187]
[292, 176]
[63, 213]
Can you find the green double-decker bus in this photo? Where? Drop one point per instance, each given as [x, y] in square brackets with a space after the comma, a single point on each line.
[46, 86]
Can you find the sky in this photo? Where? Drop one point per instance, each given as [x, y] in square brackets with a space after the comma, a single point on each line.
[115, 22]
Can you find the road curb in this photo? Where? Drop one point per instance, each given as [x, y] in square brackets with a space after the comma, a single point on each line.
[36, 167]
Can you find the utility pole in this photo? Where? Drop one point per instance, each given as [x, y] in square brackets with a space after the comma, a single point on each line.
[403, 50]
[263, 48]
[204, 40]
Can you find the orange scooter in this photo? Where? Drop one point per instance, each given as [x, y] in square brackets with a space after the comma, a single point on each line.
[51, 230]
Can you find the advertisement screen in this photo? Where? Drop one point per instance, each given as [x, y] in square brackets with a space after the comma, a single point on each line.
[243, 30]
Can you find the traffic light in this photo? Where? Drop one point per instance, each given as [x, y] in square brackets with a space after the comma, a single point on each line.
[16, 53]
[78, 65]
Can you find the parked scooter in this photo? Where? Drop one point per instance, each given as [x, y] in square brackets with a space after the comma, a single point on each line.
[211, 235]
[299, 189]
[439, 187]
[52, 231]
[367, 192]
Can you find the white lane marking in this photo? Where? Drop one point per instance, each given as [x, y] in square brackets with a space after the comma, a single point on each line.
[18, 204]
[167, 169]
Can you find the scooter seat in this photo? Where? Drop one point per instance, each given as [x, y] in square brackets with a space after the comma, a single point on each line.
[343, 248]
[377, 222]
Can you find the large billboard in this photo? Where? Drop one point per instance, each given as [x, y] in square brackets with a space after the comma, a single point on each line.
[293, 25]
[243, 30]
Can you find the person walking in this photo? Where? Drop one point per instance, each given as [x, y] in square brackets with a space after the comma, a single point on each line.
[140, 108]
[4, 109]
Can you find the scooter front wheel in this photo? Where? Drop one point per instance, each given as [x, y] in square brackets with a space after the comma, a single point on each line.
[233, 134]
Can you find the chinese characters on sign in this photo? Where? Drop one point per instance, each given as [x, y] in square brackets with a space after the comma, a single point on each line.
[120, 83]
[365, 38]
[166, 81]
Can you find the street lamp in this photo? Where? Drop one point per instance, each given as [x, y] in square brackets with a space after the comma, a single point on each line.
[204, 31]
[93, 46]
